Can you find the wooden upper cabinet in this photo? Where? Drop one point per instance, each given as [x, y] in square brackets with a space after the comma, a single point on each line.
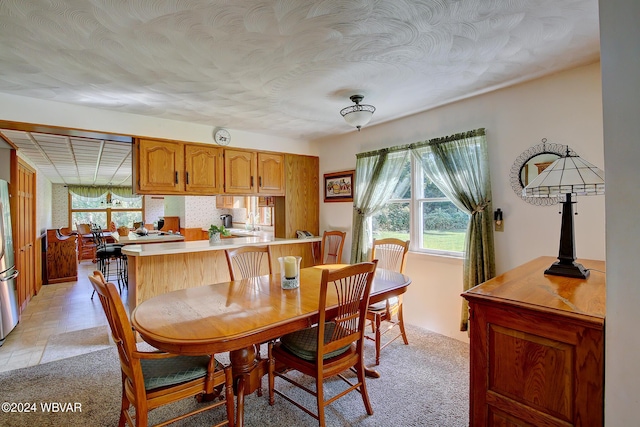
[204, 173]
[224, 202]
[160, 166]
[174, 167]
[239, 172]
[249, 172]
[169, 167]
[270, 173]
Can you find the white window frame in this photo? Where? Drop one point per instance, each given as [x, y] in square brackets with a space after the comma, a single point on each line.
[416, 228]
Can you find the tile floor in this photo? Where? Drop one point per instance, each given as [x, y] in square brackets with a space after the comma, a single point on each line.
[58, 308]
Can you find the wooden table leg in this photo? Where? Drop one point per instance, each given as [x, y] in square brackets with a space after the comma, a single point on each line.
[240, 401]
[371, 373]
[247, 372]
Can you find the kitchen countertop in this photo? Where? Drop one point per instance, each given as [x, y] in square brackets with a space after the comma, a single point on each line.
[205, 245]
[243, 232]
[152, 237]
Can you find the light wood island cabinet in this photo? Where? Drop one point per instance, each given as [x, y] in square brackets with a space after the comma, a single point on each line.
[164, 267]
[173, 167]
[537, 348]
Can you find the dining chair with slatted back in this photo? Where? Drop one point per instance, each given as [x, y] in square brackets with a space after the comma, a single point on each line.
[391, 254]
[334, 345]
[154, 379]
[331, 247]
[248, 261]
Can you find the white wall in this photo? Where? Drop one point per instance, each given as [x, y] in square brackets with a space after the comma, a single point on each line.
[5, 164]
[60, 206]
[153, 208]
[29, 110]
[620, 44]
[565, 108]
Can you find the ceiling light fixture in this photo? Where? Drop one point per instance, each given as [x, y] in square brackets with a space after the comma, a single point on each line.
[357, 115]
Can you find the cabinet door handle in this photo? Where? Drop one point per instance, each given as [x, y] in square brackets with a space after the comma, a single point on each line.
[251, 184]
[260, 181]
[187, 173]
[176, 177]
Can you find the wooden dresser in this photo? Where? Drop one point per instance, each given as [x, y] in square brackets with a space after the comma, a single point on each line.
[537, 348]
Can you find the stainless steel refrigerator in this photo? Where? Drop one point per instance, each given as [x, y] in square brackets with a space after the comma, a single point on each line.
[8, 272]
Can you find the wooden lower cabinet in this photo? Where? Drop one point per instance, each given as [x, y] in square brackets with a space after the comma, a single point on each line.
[60, 261]
[537, 348]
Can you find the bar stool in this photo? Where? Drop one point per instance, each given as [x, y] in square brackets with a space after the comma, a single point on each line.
[106, 255]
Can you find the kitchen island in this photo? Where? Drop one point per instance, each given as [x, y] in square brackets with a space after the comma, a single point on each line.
[164, 267]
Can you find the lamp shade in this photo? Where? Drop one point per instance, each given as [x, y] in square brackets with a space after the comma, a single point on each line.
[358, 115]
[569, 174]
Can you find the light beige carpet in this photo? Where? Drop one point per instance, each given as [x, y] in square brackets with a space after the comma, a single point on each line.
[424, 384]
[75, 343]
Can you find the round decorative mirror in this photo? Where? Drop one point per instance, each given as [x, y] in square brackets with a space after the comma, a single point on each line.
[530, 163]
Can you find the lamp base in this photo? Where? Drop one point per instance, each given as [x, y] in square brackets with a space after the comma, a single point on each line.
[572, 269]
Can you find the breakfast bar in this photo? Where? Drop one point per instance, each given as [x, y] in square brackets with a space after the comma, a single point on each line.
[164, 267]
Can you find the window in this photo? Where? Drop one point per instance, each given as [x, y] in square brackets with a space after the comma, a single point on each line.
[432, 222]
[104, 209]
[259, 211]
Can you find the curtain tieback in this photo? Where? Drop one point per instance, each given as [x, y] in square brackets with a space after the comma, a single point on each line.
[358, 211]
[481, 207]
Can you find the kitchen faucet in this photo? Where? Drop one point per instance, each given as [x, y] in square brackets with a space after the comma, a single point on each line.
[252, 219]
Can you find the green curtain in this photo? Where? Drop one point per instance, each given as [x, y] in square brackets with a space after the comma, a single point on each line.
[124, 192]
[376, 178]
[459, 166]
[98, 191]
[88, 191]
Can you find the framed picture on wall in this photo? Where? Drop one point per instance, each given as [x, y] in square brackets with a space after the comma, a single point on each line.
[338, 186]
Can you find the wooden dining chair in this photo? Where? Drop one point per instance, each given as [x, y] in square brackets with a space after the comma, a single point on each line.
[86, 245]
[331, 247]
[334, 345]
[154, 379]
[248, 261]
[391, 255]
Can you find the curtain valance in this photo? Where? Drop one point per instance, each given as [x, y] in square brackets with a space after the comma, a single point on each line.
[98, 191]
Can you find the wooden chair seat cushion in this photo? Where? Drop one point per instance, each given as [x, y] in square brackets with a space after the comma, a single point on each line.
[173, 370]
[304, 343]
[382, 305]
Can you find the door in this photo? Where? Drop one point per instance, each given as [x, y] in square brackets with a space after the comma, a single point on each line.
[239, 172]
[271, 173]
[25, 232]
[160, 166]
[203, 169]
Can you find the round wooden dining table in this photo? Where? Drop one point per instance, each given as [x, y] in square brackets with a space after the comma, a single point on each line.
[238, 316]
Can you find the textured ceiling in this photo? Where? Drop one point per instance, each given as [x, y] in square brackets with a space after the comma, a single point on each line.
[284, 67]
